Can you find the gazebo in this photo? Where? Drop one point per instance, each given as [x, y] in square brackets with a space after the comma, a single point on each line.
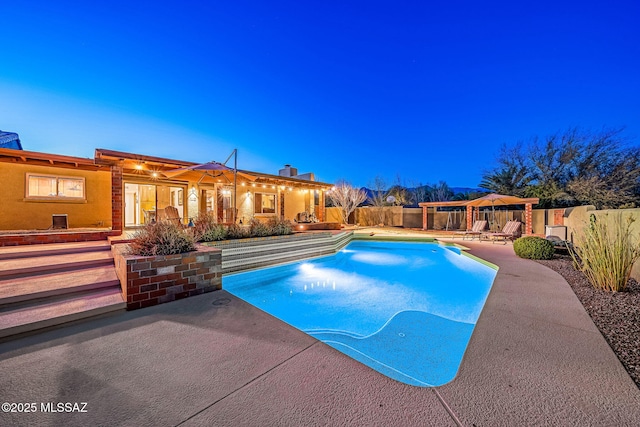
[492, 200]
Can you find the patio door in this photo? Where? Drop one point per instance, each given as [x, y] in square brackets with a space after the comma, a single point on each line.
[170, 196]
[139, 204]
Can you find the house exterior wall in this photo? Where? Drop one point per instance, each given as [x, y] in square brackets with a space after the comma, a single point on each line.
[21, 214]
[295, 201]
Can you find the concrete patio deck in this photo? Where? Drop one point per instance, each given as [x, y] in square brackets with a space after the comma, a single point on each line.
[535, 358]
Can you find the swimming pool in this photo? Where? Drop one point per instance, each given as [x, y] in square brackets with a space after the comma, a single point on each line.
[404, 309]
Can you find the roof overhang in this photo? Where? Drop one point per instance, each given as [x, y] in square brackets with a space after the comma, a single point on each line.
[8, 155]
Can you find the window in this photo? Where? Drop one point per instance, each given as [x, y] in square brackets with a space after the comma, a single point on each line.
[54, 187]
[265, 203]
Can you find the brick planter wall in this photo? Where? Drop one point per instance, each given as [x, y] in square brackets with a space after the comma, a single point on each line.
[153, 280]
[52, 237]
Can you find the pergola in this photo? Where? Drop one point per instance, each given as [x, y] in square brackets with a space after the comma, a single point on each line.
[488, 200]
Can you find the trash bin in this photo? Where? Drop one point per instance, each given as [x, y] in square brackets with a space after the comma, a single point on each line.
[559, 231]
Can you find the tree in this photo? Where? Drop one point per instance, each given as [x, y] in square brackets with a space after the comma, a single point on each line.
[510, 180]
[378, 197]
[401, 194]
[439, 192]
[347, 198]
[419, 192]
[569, 168]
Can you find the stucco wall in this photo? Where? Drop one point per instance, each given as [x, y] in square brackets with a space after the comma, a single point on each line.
[332, 214]
[20, 214]
[369, 215]
[412, 217]
[295, 201]
[577, 218]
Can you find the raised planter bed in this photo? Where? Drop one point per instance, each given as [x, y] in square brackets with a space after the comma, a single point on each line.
[152, 280]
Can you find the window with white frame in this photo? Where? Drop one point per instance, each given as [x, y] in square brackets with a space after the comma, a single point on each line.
[265, 203]
[55, 187]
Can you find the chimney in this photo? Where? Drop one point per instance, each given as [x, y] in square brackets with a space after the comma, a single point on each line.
[288, 171]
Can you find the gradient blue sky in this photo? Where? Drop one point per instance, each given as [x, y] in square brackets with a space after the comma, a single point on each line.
[426, 91]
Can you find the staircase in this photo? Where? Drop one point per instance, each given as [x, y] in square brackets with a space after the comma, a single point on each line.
[51, 284]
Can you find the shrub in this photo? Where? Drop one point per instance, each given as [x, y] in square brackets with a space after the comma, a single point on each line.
[532, 247]
[235, 231]
[606, 254]
[215, 233]
[259, 229]
[161, 238]
[280, 227]
[206, 229]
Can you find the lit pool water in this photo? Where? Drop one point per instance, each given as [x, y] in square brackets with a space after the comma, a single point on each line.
[406, 310]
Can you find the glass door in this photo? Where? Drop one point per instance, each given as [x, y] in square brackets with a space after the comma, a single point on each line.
[139, 204]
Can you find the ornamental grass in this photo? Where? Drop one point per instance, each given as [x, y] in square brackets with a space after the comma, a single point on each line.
[161, 238]
[605, 251]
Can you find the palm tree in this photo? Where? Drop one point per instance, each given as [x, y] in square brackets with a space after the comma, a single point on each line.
[510, 180]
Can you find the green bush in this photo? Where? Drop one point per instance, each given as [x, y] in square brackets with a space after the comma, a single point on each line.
[606, 254]
[532, 247]
[161, 238]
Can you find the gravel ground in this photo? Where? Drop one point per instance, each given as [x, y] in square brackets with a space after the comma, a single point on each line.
[616, 314]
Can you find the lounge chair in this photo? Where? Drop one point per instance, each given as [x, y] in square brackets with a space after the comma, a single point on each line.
[510, 231]
[477, 230]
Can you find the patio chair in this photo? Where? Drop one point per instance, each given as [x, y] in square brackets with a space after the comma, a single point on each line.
[171, 214]
[477, 230]
[510, 231]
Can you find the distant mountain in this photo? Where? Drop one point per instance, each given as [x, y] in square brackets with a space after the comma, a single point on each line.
[465, 190]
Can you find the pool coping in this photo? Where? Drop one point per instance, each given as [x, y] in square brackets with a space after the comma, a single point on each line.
[535, 358]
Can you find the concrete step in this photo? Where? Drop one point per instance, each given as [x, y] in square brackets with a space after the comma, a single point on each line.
[82, 306]
[33, 266]
[30, 288]
[30, 251]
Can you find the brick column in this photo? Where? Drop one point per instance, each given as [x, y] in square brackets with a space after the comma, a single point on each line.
[281, 195]
[528, 217]
[469, 217]
[116, 198]
[424, 217]
[321, 207]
